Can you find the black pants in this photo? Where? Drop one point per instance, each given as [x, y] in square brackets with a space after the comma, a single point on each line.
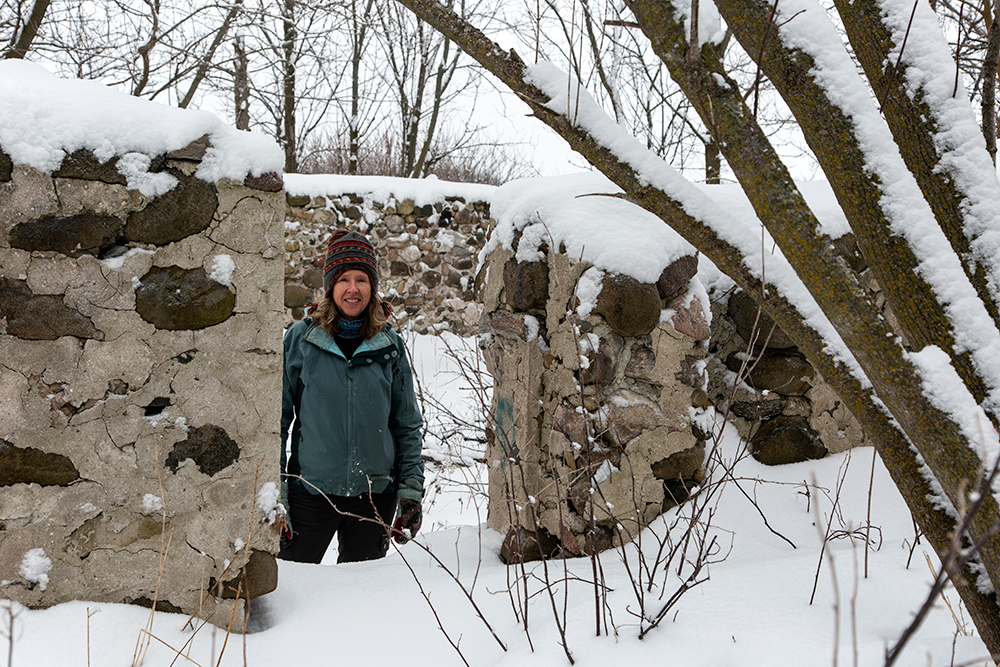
[359, 522]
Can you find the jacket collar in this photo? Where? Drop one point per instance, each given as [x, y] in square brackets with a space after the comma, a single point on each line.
[322, 339]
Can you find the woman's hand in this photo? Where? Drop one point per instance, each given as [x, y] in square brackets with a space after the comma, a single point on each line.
[408, 522]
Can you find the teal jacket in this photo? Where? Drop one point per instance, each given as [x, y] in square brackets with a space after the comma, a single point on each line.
[355, 423]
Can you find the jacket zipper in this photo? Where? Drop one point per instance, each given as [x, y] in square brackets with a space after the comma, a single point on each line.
[350, 423]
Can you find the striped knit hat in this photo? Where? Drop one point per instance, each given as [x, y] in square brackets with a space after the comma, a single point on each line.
[349, 250]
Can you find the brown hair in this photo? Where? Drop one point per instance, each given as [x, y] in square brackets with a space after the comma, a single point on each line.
[325, 315]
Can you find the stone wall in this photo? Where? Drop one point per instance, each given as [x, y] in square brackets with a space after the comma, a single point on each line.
[140, 377]
[593, 410]
[427, 253]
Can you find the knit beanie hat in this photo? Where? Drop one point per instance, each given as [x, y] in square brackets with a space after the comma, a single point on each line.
[349, 250]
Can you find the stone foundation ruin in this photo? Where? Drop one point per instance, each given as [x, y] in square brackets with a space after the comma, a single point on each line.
[140, 372]
[600, 376]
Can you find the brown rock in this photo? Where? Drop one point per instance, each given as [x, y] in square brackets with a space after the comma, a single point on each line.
[786, 440]
[258, 577]
[642, 361]
[603, 362]
[187, 209]
[297, 296]
[431, 278]
[28, 465]
[84, 165]
[786, 373]
[193, 152]
[743, 311]
[676, 276]
[41, 317]
[209, 446]
[6, 167]
[269, 182]
[176, 298]
[313, 278]
[629, 307]
[82, 234]
[690, 320]
[526, 285]
[522, 545]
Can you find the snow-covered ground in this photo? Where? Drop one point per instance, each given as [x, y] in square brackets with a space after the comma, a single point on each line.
[752, 609]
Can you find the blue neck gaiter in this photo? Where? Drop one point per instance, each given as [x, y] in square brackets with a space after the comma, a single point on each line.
[349, 328]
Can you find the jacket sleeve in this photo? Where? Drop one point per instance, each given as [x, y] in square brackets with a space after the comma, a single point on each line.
[290, 386]
[407, 428]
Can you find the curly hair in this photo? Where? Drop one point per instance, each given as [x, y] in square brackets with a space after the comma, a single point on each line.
[325, 315]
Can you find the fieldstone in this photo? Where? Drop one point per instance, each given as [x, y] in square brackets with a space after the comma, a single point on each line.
[572, 424]
[269, 182]
[786, 373]
[175, 298]
[258, 577]
[194, 151]
[676, 276]
[209, 446]
[463, 264]
[185, 210]
[41, 317]
[410, 254]
[313, 278]
[27, 465]
[82, 234]
[432, 259]
[508, 323]
[690, 320]
[526, 285]
[84, 165]
[431, 278]
[395, 224]
[629, 414]
[680, 465]
[786, 439]
[691, 372]
[743, 312]
[629, 307]
[323, 216]
[6, 167]
[760, 408]
[405, 207]
[603, 362]
[642, 360]
[296, 296]
[353, 213]
[522, 545]
[296, 200]
[463, 217]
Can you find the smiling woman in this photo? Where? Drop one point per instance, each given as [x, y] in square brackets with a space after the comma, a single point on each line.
[355, 425]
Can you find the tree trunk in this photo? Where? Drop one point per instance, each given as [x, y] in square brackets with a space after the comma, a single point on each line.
[288, 87]
[21, 42]
[241, 86]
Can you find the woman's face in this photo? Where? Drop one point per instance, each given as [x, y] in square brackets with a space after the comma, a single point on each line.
[352, 290]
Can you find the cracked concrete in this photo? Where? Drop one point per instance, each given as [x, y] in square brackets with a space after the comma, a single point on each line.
[117, 407]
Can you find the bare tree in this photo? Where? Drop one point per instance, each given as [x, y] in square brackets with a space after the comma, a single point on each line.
[913, 181]
[23, 28]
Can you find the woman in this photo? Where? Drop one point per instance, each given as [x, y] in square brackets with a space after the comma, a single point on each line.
[356, 427]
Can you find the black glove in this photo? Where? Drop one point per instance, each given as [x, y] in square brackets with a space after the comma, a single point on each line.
[408, 522]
